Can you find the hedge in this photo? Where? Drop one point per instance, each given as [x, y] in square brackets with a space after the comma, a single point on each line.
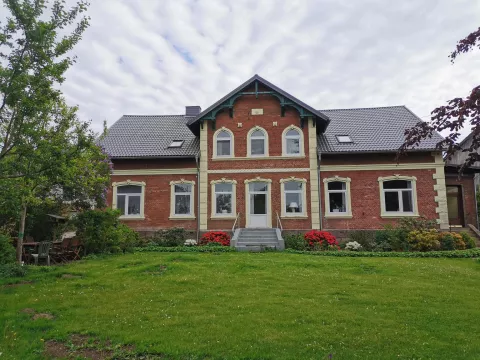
[193, 249]
[471, 253]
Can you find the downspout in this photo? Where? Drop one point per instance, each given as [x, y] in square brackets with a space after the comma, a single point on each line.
[475, 177]
[198, 195]
[319, 191]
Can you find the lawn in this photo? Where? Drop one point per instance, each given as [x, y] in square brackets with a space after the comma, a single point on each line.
[250, 306]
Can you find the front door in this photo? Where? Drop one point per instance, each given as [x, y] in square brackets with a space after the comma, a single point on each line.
[258, 205]
[455, 205]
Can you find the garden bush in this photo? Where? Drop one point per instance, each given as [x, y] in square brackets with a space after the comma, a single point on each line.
[420, 223]
[451, 241]
[365, 238]
[295, 242]
[469, 241]
[321, 240]
[423, 240]
[12, 270]
[169, 237]
[101, 231]
[219, 237]
[7, 251]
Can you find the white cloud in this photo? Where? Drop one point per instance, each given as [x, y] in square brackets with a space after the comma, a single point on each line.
[155, 57]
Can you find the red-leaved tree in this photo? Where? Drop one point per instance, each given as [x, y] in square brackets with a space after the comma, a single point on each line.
[453, 117]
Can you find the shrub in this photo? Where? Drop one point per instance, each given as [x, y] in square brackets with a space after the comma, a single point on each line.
[219, 237]
[295, 242]
[169, 237]
[469, 241]
[364, 238]
[353, 246]
[7, 251]
[451, 241]
[321, 240]
[421, 224]
[423, 240]
[391, 239]
[100, 231]
[12, 270]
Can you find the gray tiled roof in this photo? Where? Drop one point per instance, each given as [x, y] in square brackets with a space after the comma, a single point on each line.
[135, 136]
[371, 130]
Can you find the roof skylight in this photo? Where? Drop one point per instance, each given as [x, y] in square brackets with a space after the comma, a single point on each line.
[344, 139]
[176, 144]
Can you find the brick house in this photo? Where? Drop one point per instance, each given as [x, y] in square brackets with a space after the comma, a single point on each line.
[260, 160]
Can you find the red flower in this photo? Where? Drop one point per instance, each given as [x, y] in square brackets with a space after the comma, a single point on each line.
[219, 237]
[320, 240]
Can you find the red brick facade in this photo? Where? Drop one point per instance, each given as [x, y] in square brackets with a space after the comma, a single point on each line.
[364, 185]
[467, 185]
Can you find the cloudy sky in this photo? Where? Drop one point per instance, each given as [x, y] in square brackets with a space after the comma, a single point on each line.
[156, 56]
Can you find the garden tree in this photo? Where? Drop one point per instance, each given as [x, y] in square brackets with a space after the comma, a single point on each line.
[60, 163]
[46, 152]
[453, 117]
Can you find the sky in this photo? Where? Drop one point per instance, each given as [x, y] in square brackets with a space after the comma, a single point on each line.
[157, 56]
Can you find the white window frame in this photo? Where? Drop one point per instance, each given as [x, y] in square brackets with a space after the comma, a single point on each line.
[284, 141]
[250, 138]
[348, 197]
[176, 144]
[173, 194]
[233, 215]
[303, 192]
[116, 185]
[215, 140]
[395, 214]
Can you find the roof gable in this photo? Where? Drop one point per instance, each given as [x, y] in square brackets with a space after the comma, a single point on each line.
[285, 99]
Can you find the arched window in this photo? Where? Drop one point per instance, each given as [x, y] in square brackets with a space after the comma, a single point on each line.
[398, 196]
[223, 143]
[257, 142]
[129, 198]
[292, 141]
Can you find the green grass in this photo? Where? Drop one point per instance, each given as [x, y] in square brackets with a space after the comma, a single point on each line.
[252, 306]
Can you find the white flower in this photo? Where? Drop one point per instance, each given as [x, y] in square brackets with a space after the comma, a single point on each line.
[353, 246]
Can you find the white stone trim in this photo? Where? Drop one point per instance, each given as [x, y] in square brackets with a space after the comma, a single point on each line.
[140, 216]
[183, 171]
[383, 212]
[302, 142]
[314, 186]
[409, 166]
[249, 144]
[203, 178]
[233, 215]
[269, 200]
[348, 197]
[232, 143]
[173, 216]
[283, 213]
[264, 170]
[441, 189]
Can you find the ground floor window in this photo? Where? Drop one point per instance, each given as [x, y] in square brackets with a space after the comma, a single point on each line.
[293, 197]
[223, 198]
[398, 196]
[129, 198]
[337, 197]
[182, 196]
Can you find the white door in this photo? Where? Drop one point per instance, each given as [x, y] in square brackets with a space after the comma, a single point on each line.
[258, 205]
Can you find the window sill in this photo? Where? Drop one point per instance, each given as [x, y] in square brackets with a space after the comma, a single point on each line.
[284, 216]
[398, 215]
[259, 158]
[341, 216]
[132, 217]
[223, 217]
[178, 217]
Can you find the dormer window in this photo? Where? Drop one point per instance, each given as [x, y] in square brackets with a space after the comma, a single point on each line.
[344, 139]
[176, 144]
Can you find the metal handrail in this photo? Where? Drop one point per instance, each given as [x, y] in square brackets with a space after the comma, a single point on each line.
[235, 223]
[279, 222]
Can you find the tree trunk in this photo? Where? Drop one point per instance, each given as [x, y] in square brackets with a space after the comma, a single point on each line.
[21, 234]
